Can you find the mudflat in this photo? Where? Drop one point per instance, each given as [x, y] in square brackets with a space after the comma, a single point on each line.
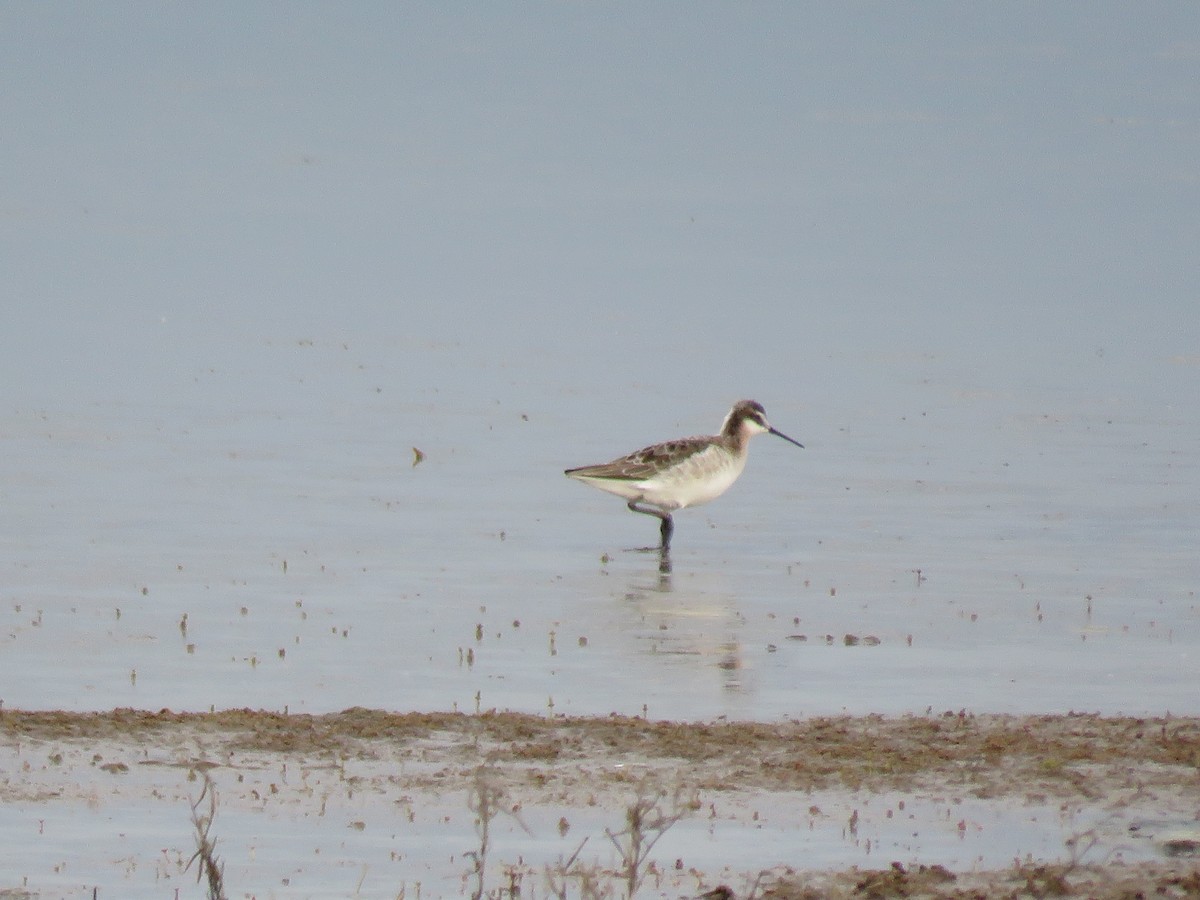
[593, 766]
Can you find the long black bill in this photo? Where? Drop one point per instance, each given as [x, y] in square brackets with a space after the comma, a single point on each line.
[785, 437]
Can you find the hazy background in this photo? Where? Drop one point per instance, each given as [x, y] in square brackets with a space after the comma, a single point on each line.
[767, 185]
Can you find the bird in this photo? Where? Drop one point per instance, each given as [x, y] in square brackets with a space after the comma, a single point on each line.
[663, 478]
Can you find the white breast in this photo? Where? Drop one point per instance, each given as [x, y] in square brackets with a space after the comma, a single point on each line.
[702, 477]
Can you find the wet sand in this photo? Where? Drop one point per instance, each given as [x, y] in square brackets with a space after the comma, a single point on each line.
[421, 761]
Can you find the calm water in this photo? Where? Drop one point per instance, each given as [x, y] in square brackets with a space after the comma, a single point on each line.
[259, 537]
[252, 259]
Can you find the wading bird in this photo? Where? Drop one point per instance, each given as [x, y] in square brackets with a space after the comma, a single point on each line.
[662, 478]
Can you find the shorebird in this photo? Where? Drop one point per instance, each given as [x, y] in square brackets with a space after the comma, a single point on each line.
[662, 478]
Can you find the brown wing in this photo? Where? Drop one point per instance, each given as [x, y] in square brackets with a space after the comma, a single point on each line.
[645, 463]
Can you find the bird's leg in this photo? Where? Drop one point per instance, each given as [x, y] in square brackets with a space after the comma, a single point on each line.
[665, 529]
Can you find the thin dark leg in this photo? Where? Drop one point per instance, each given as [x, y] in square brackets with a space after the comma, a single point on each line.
[665, 529]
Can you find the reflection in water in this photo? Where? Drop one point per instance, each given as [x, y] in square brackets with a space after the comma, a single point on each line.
[663, 554]
[700, 622]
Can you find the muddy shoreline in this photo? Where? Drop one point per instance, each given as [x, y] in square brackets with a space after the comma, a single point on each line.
[1064, 756]
[594, 762]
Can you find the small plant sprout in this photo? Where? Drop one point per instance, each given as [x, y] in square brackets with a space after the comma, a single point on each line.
[210, 868]
[486, 799]
[647, 819]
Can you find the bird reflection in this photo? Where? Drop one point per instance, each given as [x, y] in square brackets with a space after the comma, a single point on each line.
[700, 621]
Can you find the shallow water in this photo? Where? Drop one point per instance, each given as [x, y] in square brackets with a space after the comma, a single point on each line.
[221, 345]
[141, 848]
[998, 553]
